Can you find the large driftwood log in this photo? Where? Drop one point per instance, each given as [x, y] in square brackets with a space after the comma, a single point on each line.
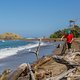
[14, 75]
[41, 61]
[68, 59]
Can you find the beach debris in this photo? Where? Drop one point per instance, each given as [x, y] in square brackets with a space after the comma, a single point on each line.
[31, 72]
[61, 75]
[5, 74]
[42, 61]
[65, 66]
[14, 75]
[36, 52]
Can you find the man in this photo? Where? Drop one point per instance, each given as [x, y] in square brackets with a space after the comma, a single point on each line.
[69, 38]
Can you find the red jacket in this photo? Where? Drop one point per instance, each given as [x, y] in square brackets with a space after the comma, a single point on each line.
[69, 38]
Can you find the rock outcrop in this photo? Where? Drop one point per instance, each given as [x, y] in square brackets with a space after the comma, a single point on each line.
[10, 36]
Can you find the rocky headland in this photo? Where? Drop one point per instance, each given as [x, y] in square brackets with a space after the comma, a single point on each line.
[9, 36]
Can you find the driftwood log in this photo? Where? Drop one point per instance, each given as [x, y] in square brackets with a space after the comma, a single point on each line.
[41, 61]
[14, 75]
[61, 75]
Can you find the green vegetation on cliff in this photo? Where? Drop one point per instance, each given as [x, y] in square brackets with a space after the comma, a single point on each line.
[75, 30]
[10, 36]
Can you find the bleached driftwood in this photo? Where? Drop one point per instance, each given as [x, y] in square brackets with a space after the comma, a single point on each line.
[67, 59]
[31, 73]
[61, 75]
[36, 52]
[14, 75]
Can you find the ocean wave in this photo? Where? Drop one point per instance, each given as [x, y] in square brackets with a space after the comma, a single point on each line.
[6, 52]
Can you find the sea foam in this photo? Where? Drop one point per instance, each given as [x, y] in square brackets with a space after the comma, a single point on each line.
[13, 51]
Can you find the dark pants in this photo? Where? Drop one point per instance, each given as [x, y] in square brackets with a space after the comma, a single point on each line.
[69, 45]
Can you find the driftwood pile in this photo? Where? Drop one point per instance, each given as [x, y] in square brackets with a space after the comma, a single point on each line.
[53, 67]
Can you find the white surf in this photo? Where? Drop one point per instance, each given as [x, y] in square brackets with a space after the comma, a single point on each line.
[13, 51]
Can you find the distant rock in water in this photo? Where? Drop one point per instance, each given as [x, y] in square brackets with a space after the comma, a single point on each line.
[10, 36]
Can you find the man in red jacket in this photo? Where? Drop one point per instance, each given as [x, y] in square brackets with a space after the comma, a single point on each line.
[69, 38]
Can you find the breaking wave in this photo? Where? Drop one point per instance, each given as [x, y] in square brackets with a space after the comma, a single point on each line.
[6, 52]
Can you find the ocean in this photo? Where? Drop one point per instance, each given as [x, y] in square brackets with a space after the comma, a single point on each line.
[15, 52]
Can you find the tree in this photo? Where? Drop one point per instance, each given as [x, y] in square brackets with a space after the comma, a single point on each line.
[75, 30]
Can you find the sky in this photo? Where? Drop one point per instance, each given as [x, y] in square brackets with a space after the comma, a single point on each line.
[37, 18]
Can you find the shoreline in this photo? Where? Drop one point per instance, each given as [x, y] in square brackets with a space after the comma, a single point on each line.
[47, 66]
[20, 58]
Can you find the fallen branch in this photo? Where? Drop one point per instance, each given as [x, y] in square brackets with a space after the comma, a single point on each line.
[31, 73]
[61, 75]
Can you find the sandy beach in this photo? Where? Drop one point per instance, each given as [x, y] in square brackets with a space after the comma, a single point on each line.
[52, 66]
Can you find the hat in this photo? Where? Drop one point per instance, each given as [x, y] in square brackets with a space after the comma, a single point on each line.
[68, 32]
